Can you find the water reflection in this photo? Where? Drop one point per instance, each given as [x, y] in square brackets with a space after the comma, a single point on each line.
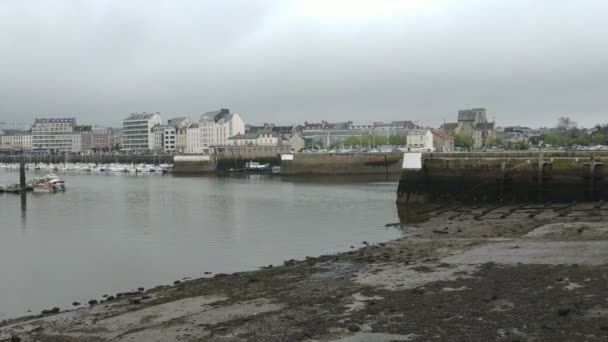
[414, 213]
[23, 209]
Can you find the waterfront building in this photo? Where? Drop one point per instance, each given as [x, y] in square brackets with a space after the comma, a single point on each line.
[158, 132]
[137, 134]
[217, 126]
[101, 139]
[175, 135]
[194, 143]
[16, 140]
[53, 135]
[214, 129]
[326, 134]
[421, 139]
[442, 141]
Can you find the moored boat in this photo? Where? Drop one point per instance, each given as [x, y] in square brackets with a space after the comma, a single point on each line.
[48, 183]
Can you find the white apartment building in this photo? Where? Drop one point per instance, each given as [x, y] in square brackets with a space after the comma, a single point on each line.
[53, 135]
[420, 139]
[157, 134]
[194, 142]
[17, 141]
[76, 143]
[137, 132]
[214, 130]
[175, 135]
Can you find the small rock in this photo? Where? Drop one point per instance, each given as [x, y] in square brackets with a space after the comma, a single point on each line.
[104, 296]
[92, 302]
[110, 298]
[365, 243]
[46, 312]
[353, 328]
[55, 310]
[177, 282]
[75, 303]
[207, 272]
[135, 301]
[140, 289]
[563, 311]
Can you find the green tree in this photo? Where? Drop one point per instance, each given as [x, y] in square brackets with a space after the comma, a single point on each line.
[463, 141]
[397, 140]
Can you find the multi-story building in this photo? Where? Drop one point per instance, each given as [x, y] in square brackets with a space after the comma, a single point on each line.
[194, 142]
[170, 140]
[137, 134]
[420, 139]
[101, 139]
[157, 136]
[53, 135]
[16, 141]
[214, 129]
[175, 135]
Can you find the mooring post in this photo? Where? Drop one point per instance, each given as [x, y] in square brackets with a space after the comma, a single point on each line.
[592, 178]
[22, 173]
[540, 176]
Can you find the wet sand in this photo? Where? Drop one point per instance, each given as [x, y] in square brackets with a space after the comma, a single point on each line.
[472, 273]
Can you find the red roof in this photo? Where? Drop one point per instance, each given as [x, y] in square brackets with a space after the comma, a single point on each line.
[442, 134]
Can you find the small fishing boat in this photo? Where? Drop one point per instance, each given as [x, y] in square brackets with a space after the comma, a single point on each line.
[48, 183]
[254, 167]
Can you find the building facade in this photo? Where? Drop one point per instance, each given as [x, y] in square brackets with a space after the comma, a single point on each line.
[53, 135]
[16, 141]
[101, 139]
[420, 139]
[442, 141]
[213, 129]
[137, 132]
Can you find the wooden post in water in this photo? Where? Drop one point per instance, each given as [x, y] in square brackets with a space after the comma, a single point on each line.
[22, 173]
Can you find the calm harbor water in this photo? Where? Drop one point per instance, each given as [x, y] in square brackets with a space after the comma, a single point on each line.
[116, 232]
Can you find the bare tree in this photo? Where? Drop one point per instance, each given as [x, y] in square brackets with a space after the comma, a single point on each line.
[564, 123]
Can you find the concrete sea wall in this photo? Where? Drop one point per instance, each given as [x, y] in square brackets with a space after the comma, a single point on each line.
[194, 164]
[342, 163]
[538, 177]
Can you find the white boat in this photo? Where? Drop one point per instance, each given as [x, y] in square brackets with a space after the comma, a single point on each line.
[119, 169]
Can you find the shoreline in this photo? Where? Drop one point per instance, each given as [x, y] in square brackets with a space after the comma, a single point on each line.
[516, 273]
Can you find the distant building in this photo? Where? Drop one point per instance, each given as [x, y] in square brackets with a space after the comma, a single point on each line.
[420, 139]
[53, 135]
[291, 135]
[473, 123]
[137, 134]
[326, 134]
[158, 132]
[442, 141]
[193, 140]
[101, 139]
[175, 135]
[16, 141]
[214, 129]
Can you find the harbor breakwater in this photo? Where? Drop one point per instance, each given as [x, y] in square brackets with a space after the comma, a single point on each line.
[534, 177]
[299, 163]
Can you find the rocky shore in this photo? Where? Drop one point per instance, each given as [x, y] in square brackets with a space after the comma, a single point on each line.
[468, 273]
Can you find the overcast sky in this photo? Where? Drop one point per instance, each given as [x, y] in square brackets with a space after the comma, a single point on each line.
[283, 61]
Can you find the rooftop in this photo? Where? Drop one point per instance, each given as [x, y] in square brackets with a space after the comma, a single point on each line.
[141, 116]
[55, 120]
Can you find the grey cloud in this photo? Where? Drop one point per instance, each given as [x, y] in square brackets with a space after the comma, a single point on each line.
[527, 62]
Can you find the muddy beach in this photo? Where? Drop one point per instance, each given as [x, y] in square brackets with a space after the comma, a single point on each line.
[468, 273]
